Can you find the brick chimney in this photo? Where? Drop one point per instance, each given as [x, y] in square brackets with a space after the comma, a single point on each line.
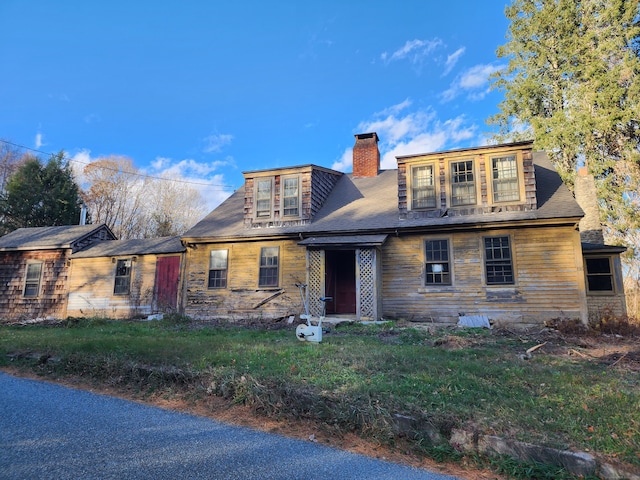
[585, 193]
[366, 156]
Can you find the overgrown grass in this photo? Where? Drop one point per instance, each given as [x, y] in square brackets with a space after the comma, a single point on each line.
[357, 379]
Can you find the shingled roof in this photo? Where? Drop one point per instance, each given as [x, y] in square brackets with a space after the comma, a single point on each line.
[48, 238]
[138, 246]
[366, 205]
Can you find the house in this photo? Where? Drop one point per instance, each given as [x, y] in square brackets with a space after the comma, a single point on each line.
[489, 231]
[125, 278]
[34, 268]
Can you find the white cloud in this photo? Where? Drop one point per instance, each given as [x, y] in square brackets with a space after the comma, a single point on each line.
[216, 141]
[452, 60]
[474, 83]
[38, 142]
[409, 133]
[413, 50]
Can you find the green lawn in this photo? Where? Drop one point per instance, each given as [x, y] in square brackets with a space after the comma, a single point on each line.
[359, 377]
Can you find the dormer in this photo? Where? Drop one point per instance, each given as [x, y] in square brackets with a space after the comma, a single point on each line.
[286, 196]
[479, 180]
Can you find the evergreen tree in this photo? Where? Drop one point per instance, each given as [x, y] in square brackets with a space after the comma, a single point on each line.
[40, 195]
[572, 84]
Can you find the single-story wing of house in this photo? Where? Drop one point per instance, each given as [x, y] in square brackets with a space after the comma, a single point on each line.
[490, 231]
[126, 278]
[34, 268]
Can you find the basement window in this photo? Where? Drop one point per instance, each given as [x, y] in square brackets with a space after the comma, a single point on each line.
[32, 279]
[122, 283]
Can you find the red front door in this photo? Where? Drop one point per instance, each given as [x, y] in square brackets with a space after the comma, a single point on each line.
[340, 268]
[167, 275]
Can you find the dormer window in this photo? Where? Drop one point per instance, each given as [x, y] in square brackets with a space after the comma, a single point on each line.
[423, 188]
[463, 186]
[291, 196]
[504, 174]
[263, 198]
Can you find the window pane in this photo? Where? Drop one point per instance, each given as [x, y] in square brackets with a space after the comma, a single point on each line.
[463, 189]
[437, 262]
[599, 274]
[290, 194]
[123, 277]
[423, 190]
[218, 269]
[263, 198]
[268, 267]
[505, 179]
[499, 269]
[32, 280]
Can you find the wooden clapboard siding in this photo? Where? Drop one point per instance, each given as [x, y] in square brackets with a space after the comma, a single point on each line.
[242, 298]
[549, 280]
[91, 285]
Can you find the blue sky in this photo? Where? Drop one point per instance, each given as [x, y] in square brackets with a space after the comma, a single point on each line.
[204, 90]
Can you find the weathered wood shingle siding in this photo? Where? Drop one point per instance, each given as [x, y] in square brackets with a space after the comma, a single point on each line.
[549, 279]
[242, 298]
[51, 300]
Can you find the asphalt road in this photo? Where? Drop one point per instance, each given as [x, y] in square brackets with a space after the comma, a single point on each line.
[48, 431]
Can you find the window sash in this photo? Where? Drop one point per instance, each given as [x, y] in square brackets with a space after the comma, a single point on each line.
[218, 268]
[263, 198]
[268, 275]
[463, 187]
[423, 189]
[32, 279]
[437, 269]
[290, 197]
[599, 274]
[122, 282]
[498, 264]
[505, 179]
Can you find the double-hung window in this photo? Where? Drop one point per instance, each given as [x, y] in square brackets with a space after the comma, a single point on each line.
[498, 262]
[268, 276]
[599, 275]
[263, 197]
[218, 267]
[32, 279]
[123, 277]
[423, 188]
[463, 186]
[504, 174]
[437, 267]
[290, 197]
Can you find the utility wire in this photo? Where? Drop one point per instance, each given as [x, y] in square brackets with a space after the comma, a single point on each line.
[144, 175]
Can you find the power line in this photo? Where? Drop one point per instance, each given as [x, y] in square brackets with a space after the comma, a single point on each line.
[144, 175]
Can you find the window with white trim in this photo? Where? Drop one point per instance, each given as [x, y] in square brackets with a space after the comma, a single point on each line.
[423, 187]
[218, 268]
[32, 279]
